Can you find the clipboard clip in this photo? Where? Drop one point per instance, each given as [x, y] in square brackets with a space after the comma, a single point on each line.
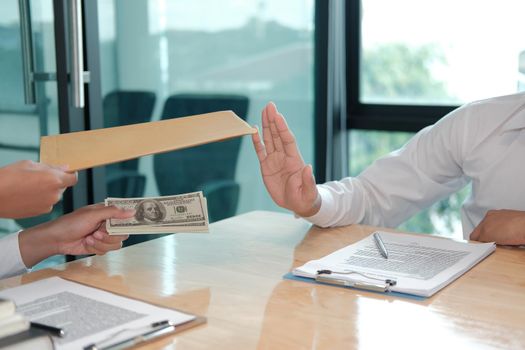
[376, 284]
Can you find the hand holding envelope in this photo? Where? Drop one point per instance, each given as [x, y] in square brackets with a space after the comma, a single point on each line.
[177, 213]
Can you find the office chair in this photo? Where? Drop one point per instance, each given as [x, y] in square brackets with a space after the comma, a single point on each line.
[209, 168]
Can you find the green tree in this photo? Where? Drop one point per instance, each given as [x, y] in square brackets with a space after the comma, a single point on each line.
[397, 73]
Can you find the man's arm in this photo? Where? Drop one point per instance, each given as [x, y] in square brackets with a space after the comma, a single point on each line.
[387, 193]
[506, 227]
[401, 184]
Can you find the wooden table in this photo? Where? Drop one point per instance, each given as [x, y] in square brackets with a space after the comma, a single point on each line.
[233, 277]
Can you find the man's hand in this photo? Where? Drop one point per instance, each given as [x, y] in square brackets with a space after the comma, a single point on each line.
[29, 189]
[506, 227]
[289, 181]
[81, 232]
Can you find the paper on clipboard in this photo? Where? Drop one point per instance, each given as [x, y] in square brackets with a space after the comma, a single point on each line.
[90, 315]
[420, 264]
[87, 149]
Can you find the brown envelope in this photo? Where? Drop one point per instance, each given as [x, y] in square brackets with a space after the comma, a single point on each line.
[87, 149]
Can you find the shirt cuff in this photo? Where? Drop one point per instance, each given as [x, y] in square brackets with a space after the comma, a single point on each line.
[324, 215]
[11, 259]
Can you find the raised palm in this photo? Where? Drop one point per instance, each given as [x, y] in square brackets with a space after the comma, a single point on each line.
[287, 178]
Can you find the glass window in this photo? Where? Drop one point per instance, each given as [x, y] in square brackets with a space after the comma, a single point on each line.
[442, 52]
[181, 58]
[443, 217]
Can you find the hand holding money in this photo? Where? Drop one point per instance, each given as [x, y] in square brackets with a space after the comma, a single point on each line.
[169, 214]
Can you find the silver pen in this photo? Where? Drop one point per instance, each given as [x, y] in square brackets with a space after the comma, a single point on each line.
[380, 245]
[56, 331]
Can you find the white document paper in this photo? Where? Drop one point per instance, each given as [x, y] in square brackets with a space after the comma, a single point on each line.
[420, 264]
[88, 315]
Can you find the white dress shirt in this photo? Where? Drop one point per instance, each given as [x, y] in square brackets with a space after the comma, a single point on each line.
[11, 263]
[481, 142]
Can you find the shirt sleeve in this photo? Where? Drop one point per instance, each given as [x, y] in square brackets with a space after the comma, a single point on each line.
[11, 263]
[395, 187]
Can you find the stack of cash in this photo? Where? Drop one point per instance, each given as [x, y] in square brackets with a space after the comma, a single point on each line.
[169, 214]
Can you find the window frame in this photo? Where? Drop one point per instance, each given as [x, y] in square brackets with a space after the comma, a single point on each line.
[321, 57]
[369, 116]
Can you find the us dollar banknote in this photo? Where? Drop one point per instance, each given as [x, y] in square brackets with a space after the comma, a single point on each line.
[169, 214]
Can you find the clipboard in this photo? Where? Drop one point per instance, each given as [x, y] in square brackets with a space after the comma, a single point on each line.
[151, 321]
[291, 276]
[419, 265]
[181, 327]
[87, 149]
[147, 337]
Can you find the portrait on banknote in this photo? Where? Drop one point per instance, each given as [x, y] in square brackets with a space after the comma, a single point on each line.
[150, 211]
